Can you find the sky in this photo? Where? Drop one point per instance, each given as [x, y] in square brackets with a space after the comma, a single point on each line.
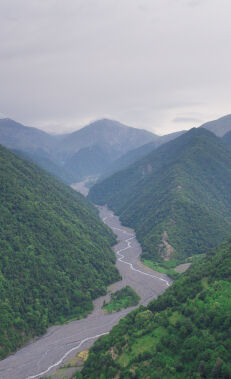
[160, 65]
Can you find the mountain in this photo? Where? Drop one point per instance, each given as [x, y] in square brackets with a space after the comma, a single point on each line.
[74, 156]
[227, 138]
[92, 149]
[43, 160]
[55, 253]
[177, 198]
[185, 333]
[119, 137]
[89, 161]
[220, 126]
[34, 145]
[17, 136]
[134, 155]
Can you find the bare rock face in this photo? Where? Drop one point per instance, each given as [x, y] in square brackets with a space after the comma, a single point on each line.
[165, 249]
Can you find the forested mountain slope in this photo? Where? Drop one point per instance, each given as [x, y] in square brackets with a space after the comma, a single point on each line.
[185, 333]
[55, 254]
[177, 198]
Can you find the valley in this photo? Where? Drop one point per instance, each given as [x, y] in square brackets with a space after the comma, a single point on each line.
[115, 189]
[43, 356]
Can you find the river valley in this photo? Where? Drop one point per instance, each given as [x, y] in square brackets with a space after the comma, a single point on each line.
[43, 356]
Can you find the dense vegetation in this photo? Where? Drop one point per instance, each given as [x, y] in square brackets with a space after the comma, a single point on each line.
[185, 333]
[177, 199]
[122, 299]
[55, 254]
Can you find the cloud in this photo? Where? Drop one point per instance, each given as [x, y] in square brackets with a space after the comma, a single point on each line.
[144, 63]
[186, 120]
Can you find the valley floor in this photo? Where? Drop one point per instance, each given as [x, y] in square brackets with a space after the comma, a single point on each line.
[60, 343]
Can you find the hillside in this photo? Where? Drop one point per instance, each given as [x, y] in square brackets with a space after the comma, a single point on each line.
[17, 136]
[220, 126]
[55, 254]
[185, 333]
[227, 138]
[89, 161]
[177, 198]
[134, 155]
[43, 160]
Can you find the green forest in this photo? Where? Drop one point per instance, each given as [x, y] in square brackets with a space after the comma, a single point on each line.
[178, 204]
[185, 333]
[121, 299]
[55, 253]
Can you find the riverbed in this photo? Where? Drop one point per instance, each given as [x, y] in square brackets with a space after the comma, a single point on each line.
[43, 356]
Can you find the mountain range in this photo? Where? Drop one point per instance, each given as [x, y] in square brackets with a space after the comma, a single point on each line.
[73, 156]
[56, 257]
[99, 149]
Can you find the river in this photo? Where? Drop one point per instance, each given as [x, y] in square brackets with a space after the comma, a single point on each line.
[43, 356]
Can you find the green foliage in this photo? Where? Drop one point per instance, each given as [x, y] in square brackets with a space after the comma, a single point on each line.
[185, 333]
[177, 199]
[163, 268]
[55, 254]
[121, 299]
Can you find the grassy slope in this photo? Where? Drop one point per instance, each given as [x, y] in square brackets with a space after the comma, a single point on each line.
[182, 188]
[185, 333]
[55, 254]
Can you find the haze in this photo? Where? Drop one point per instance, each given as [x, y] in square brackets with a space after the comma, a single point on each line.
[162, 65]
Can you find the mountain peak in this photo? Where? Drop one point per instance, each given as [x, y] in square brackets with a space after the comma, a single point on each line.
[220, 126]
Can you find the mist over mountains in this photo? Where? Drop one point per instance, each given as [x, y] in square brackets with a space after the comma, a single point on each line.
[98, 149]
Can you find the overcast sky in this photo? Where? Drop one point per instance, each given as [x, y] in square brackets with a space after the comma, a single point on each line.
[162, 65]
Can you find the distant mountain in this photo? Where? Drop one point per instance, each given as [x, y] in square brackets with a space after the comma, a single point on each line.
[89, 161]
[185, 333]
[227, 138]
[44, 160]
[74, 156]
[119, 137]
[177, 198]
[134, 155]
[220, 126]
[55, 254]
[34, 145]
[17, 136]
